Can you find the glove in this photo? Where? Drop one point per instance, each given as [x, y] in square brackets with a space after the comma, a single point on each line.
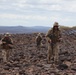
[49, 41]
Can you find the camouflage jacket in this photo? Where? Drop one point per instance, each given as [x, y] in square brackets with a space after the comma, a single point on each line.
[7, 40]
[7, 43]
[53, 36]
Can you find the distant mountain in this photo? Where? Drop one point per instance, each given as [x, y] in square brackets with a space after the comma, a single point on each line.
[21, 29]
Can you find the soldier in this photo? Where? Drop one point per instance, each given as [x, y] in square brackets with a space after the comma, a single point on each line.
[53, 37]
[6, 46]
[38, 40]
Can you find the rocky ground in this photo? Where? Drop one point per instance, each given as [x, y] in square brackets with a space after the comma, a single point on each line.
[26, 59]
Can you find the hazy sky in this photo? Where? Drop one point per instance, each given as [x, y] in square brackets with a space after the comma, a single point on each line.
[37, 12]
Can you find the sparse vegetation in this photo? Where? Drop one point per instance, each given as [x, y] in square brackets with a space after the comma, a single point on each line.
[74, 27]
[26, 59]
[65, 27]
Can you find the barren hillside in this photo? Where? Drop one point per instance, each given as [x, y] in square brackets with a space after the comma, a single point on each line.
[26, 59]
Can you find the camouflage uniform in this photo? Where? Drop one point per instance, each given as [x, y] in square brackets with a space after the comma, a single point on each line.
[53, 38]
[6, 46]
[38, 40]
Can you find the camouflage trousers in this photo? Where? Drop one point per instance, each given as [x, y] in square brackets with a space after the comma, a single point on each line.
[5, 54]
[53, 53]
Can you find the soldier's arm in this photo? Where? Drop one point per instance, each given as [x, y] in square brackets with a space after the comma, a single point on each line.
[11, 41]
[47, 36]
[3, 40]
